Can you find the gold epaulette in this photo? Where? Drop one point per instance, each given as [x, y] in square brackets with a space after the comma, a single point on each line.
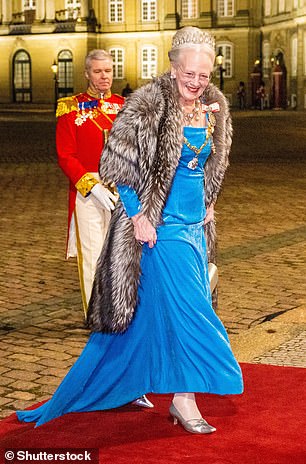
[66, 105]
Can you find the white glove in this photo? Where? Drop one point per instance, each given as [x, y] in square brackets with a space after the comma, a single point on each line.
[104, 196]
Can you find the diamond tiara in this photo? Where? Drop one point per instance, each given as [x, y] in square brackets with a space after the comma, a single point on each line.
[192, 36]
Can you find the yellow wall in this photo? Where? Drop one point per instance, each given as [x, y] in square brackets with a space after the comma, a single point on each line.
[243, 31]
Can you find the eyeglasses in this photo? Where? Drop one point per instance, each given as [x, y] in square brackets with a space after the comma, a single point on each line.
[192, 75]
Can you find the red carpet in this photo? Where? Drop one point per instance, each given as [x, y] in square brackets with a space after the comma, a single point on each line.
[265, 425]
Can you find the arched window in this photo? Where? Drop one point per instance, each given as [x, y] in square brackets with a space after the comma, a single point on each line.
[22, 85]
[118, 64]
[148, 62]
[65, 73]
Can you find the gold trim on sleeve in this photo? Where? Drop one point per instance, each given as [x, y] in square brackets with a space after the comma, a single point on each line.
[85, 184]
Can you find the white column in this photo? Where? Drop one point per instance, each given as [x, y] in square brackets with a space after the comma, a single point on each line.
[84, 8]
[6, 11]
[50, 10]
[40, 10]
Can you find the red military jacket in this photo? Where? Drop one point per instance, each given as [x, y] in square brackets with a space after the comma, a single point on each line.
[83, 123]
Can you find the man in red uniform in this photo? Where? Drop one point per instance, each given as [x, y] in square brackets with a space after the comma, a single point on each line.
[84, 121]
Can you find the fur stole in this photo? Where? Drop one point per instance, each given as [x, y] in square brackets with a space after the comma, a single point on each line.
[143, 151]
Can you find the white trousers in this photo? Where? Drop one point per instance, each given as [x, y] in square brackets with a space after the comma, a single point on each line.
[91, 224]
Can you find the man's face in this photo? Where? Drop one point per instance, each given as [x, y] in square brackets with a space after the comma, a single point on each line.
[100, 75]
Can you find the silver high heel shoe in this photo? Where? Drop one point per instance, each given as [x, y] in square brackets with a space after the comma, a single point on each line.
[143, 402]
[191, 425]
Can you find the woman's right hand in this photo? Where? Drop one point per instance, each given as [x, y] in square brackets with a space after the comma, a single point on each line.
[143, 230]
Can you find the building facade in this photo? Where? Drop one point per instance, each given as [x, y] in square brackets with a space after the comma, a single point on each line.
[257, 40]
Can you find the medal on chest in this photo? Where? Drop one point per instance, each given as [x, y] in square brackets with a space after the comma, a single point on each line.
[86, 110]
[93, 108]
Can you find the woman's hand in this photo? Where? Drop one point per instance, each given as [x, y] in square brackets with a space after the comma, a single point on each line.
[210, 214]
[143, 230]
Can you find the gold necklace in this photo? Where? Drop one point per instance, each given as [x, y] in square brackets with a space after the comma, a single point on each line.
[210, 129]
[194, 115]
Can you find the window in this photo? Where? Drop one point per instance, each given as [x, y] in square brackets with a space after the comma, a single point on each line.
[29, 4]
[29, 9]
[148, 12]
[294, 50]
[189, 9]
[267, 7]
[226, 7]
[227, 52]
[266, 52]
[148, 62]
[118, 65]
[65, 73]
[22, 77]
[116, 11]
[73, 8]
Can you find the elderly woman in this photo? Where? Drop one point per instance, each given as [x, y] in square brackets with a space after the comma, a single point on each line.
[154, 328]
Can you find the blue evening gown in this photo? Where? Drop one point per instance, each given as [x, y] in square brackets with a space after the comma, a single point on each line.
[176, 342]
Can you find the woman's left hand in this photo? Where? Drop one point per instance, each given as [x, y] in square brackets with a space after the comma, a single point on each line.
[143, 230]
[210, 214]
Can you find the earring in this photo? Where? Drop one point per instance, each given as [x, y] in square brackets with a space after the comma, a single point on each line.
[172, 77]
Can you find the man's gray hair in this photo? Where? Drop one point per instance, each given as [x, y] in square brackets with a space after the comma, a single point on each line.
[97, 55]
